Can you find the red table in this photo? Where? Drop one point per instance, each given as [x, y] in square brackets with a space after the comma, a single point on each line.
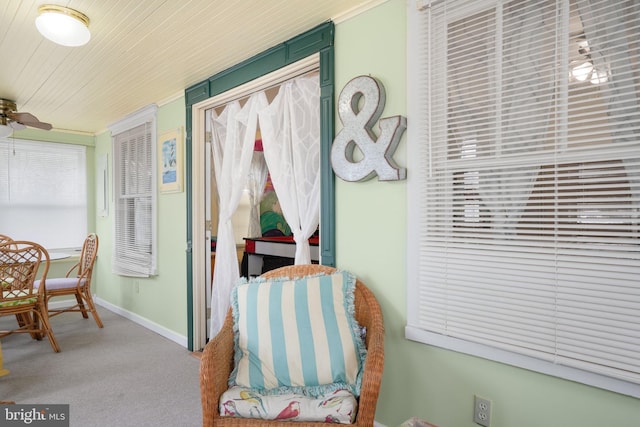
[282, 247]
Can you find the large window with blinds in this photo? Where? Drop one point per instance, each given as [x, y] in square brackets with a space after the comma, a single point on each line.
[134, 188]
[43, 192]
[524, 192]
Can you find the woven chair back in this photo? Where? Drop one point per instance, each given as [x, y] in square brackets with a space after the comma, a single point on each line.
[88, 255]
[20, 262]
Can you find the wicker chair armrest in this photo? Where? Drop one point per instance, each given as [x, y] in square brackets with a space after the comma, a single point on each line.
[216, 364]
[374, 363]
[74, 267]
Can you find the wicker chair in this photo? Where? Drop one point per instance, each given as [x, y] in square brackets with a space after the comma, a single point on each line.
[78, 285]
[20, 262]
[217, 359]
[4, 238]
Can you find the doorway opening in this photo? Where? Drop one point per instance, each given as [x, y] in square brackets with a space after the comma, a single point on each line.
[287, 114]
[202, 206]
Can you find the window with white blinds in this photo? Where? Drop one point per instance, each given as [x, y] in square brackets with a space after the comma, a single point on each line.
[43, 192]
[524, 191]
[134, 172]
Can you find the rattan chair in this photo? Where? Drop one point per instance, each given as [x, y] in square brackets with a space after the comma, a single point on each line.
[78, 285]
[20, 262]
[4, 238]
[216, 362]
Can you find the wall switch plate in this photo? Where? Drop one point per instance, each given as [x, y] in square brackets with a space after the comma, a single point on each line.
[482, 411]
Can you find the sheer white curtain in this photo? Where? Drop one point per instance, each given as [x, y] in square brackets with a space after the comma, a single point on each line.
[610, 51]
[503, 123]
[232, 150]
[290, 129]
[257, 180]
[258, 170]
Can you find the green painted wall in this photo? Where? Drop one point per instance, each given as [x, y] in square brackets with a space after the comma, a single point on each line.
[56, 136]
[161, 299]
[420, 380]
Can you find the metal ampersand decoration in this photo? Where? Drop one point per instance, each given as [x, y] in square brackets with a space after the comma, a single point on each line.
[377, 153]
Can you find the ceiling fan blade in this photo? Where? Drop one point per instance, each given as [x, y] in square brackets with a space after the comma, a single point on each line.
[30, 120]
[39, 125]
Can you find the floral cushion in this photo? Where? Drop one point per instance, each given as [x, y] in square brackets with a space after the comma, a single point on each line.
[15, 302]
[338, 407]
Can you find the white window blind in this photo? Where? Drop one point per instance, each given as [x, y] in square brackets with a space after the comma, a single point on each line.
[134, 172]
[43, 192]
[524, 196]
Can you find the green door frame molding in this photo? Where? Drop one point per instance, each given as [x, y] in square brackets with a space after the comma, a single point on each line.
[317, 40]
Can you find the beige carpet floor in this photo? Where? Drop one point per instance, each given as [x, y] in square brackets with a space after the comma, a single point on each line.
[121, 375]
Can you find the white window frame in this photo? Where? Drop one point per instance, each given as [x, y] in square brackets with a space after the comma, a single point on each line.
[130, 258]
[420, 114]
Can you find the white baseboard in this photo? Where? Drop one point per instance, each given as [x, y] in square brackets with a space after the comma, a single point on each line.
[377, 424]
[159, 329]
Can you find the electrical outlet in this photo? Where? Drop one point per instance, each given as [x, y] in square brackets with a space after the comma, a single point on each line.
[482, 411]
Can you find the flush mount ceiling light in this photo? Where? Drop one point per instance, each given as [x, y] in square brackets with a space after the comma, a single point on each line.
[583, 70]
[63, 25]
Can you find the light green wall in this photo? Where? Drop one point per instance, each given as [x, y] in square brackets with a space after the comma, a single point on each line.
[420, 380]
[55, 136]
[161, 299]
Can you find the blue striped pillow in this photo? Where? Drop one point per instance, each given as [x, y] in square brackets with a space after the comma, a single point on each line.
[297, 335]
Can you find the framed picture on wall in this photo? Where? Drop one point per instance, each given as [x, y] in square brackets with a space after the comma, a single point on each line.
[170, 165]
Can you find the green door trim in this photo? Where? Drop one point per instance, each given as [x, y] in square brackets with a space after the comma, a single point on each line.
[317, 40]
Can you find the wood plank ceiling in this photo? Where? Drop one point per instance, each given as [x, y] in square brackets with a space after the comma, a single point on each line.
[141, 51]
